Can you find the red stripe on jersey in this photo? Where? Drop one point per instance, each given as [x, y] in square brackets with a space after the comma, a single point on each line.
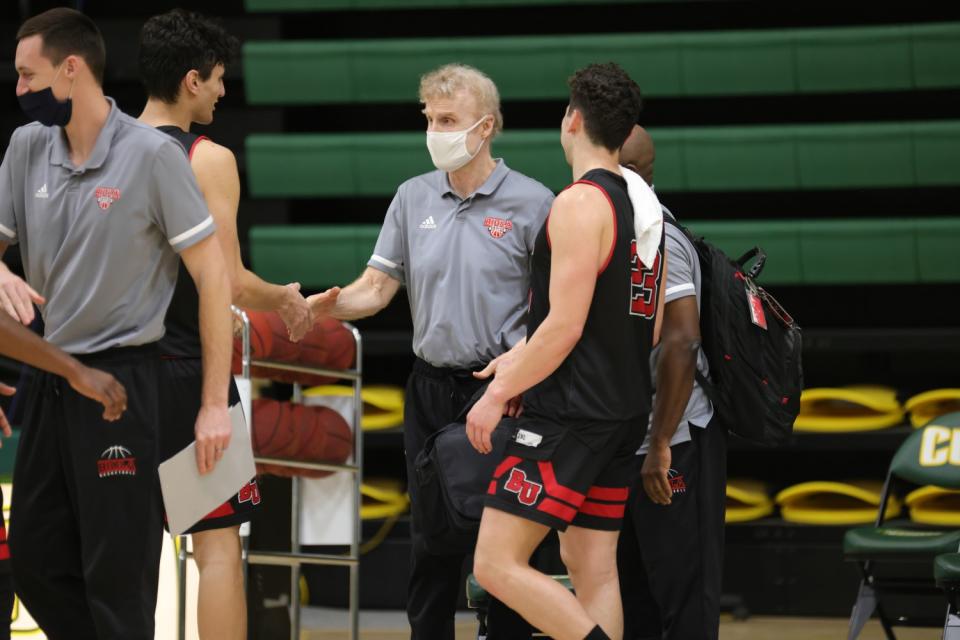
[4, 552]
[608, 494]
[492, 489]
[602, 510]
[556, 489]
[557, 509]
[226, 509]
[194, 146]
[613, 210]
[508, 463]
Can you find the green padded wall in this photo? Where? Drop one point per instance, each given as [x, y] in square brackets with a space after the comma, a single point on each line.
[790, 157]
[674, 64]
[869, 251]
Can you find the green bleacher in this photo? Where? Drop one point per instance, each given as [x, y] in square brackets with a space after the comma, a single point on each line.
[795, 61]
[789, 157]
[710, 159]
[339, 5]
[800, 252]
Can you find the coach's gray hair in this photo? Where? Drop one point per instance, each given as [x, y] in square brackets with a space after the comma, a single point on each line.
[447, 80]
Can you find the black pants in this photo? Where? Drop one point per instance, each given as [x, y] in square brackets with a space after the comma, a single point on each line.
[87, 526]
[434, 399]
[670, 558]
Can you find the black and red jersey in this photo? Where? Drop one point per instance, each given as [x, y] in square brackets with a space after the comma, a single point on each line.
[607, 375]
[182, 337]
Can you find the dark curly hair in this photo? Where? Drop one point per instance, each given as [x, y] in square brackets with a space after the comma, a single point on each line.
[609, 101]
[176, 42]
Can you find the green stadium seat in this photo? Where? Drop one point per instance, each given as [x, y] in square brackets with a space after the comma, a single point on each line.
[757, 158]
[800, 252]
[946, 570]
[923, 459]
[314, 256]
[686, 64]
[946, 573]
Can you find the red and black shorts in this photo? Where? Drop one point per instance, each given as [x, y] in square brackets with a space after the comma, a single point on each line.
[4, 547]
[561, 475]
[182, 384]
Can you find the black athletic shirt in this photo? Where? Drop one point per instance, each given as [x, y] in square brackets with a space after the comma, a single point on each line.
[182, 338]
[607, 375]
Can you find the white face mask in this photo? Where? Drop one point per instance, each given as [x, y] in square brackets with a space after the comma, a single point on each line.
[448, 149]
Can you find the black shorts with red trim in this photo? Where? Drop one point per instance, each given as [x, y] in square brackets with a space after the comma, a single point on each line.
[561, 475]
[4, 547]
[182, 383]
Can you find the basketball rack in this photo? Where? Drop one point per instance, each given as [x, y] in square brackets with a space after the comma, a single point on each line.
[295, 557]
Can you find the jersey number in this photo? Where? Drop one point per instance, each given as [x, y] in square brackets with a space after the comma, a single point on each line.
[643, 285]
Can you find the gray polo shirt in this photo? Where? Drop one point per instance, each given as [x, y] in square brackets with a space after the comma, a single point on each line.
[683, 279]
[465, 262]
[99, 241]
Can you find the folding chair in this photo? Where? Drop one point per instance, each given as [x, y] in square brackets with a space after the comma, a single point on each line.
[930, 456]
[946, 573]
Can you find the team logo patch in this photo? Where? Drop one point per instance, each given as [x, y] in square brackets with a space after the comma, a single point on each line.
[527, 491]
[497, 226]
[249, 493]
[116, 461]
[106, 196]
[677, 483]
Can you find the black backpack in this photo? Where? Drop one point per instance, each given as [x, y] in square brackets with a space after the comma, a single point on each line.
[753, 346]
[451, 481]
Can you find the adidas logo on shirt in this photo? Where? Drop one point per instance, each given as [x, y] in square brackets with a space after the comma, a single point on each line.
[428, 224]
[42, 192]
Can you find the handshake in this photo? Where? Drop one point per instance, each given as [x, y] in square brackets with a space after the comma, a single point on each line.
[299, 314]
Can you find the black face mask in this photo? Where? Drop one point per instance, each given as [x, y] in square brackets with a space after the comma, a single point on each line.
[44, 107]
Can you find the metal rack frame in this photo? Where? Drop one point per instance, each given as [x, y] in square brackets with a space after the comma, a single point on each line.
[295, 558]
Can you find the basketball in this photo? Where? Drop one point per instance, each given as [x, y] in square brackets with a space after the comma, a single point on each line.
[281, 348]
[261, 340]
[298, 432]
[270, 438]
[326, 437]
[328, 345]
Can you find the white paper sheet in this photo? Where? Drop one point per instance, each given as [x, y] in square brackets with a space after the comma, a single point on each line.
[188, 496]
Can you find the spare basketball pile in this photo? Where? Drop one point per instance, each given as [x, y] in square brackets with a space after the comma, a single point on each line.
[293, 431]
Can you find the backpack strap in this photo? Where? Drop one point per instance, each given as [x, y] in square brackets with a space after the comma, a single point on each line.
[708, 389]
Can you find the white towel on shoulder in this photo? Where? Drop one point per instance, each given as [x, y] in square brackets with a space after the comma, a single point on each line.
[647, 216]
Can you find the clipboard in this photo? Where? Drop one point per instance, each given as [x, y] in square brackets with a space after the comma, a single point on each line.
[188, 496]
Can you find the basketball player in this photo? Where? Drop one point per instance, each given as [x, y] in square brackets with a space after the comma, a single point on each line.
[460, 239]
[182, 59]
[100, 206]
[585, 376]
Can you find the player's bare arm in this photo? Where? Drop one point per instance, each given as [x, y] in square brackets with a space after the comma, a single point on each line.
[22, 344]
[216, 170]
[581, 232]
[205, 263]
[365, 296]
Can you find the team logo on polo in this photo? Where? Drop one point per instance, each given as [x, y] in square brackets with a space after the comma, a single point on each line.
[106, 196]
[677, 483]
[117, 461]
[249, 493]
[497, 227]
[527, 491]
